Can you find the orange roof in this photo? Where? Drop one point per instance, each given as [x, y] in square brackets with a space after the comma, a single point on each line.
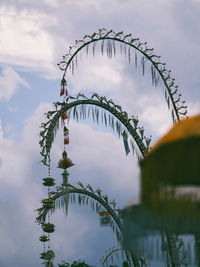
[185, 128]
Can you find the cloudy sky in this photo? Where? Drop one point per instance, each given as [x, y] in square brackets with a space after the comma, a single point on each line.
[34, 35]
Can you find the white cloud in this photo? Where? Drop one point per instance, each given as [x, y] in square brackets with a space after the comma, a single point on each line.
[31, 130]
[155, 115]
[1, 131]
[17, 159]
[53, 3]
[97, 74]
[20, 194]
[60, 243]
[9, 82]
[193, 107]
[14, 164]
[23, 40]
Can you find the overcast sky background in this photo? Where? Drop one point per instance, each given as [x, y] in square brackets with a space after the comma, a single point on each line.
[33, 37]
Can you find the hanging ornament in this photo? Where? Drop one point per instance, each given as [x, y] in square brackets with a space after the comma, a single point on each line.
[65, 162]
[44, 238]
[49, 255]
[48, 227]
[62, 91]
[48, 203]
[66, 141]
[49, 181]
[66, 135]
[64, 116]
[65, 131]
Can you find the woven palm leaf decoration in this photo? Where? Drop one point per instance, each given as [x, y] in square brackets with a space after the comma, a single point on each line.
[81, 107]
[48, 203]
[111, 43]
[98, 202]
[101, 110]
[82, 195]
[49, 182]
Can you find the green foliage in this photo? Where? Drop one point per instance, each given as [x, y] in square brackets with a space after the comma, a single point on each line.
[75, 264]
[125, 264]
[64, 264]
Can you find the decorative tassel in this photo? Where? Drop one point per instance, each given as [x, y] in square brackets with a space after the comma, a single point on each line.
[62, 91]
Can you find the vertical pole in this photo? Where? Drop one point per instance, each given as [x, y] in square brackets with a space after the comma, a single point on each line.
[173, 251]
[197, 248]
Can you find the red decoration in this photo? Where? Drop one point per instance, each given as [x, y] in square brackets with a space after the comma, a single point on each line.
[66, 141]
[64, 116]
[62, 91]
